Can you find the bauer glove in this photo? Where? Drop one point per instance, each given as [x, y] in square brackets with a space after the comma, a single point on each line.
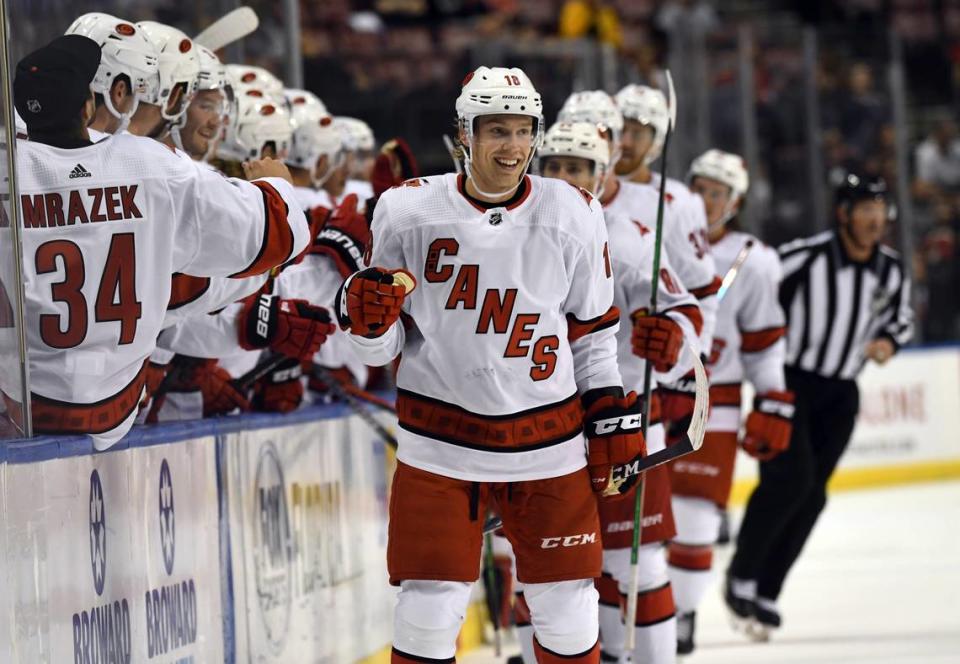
[657, 339]
[369, 302]
[769, 425]
[281, 390]
[615, 443]
[344, 237]
[294, 328]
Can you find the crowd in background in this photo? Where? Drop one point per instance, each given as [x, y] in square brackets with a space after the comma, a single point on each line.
[396, 64]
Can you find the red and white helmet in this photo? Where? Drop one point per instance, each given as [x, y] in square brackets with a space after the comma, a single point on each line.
[304, 98]
[211, 76]
[315, 135]
[125, 50]
[579, 139]
[498, 91]
[358, 134]
[594, 106]
[726, 168]
[648, 106]
[257, 78]
[179, 66]
[258, 120]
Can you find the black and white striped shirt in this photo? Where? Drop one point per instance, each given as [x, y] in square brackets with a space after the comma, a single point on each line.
[835, 306]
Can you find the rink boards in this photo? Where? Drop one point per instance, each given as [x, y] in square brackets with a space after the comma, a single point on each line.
[256, 539]
[908, 429]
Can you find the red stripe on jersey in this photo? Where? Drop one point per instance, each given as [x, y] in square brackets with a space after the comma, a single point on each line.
[655, 606]
[531, 429]
[706, 291]
[577, 328]
[60, 417]
[277, 245]
[692, 312]
[693, 558]
[754, 342]
[725, 395]
[185, 289]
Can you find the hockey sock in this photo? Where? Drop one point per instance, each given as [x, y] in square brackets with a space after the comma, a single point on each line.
[656, 635]
[544, 656]
[521, 619]
[690, 574]
[398, 657]
[611, 619]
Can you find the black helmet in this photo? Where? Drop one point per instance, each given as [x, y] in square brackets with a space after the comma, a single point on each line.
[854, 189]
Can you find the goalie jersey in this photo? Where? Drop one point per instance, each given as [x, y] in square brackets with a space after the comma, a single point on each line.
[511, 321]
[105, 227]
[749, 340]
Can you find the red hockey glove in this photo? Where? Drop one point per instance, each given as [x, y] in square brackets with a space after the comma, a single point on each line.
[293, 328]
[394, 165]
[657, 339]
[369, 302]
[615, 443]
[769, 425]
[220, 396]
[344, 237]
[280, 391]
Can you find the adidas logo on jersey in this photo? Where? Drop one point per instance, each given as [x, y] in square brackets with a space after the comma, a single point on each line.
[79, 172]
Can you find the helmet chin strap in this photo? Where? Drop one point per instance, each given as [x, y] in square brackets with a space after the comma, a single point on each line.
[467, 161]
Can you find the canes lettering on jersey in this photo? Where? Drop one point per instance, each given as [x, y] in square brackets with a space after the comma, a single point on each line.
[496, 309]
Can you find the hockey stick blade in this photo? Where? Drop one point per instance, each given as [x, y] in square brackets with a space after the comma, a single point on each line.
[227, 29]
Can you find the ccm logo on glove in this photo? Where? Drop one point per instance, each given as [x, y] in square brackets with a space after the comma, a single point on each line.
[623, 423]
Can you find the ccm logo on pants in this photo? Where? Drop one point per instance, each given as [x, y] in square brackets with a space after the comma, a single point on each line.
[569, 540]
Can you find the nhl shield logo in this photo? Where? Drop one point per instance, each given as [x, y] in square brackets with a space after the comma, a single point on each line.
[33, 105]
[496, 218]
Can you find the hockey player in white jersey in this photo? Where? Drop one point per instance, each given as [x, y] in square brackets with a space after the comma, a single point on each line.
[579, 154]
[362, 152]
[127, 214]
[508, 339]
[198, 131]
[127, 76]
[692, 262]
[748, 344]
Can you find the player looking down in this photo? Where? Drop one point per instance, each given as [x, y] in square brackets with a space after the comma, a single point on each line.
[509, 356]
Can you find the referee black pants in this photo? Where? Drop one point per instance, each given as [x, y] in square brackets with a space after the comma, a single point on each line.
[792, 492]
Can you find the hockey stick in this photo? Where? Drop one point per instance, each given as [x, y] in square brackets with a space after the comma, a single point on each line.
[448, 142]
[492, 590]
[631, 617]
[734, 270]
[228, 28]
[263, 367]
[353, 403]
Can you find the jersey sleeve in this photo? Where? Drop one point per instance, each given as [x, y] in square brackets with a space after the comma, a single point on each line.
[232, 228]
[678, 304]
[385, 251]
[899, 329]
[209, 336]
[197, 296]
[592, 320]
[762, 323]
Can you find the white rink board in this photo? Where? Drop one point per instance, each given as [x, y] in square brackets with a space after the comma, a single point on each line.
[308, 543]
[909, 413]
[114, 557]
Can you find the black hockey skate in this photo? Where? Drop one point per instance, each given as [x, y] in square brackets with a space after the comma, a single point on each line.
[740, 597]
[723, 537]
[685, 627]
[766, 618]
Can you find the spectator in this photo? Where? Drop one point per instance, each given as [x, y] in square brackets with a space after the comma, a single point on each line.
[938, 159]
[591, 18]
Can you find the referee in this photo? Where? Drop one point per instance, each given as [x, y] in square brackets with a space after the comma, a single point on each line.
[846, 298]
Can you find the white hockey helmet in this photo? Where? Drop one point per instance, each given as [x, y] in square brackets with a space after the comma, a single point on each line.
[579, 139]
[498, 91]
[258, 121]
[296, 98]
[727, 168]
[125, 50]
[179, 65]
[594, 106]
[258, 78]
[359, 134]
[314, 136]
[212, 75]
[648, 106]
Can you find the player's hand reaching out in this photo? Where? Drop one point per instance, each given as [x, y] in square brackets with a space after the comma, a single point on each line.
[369, 302]
[266, 168]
